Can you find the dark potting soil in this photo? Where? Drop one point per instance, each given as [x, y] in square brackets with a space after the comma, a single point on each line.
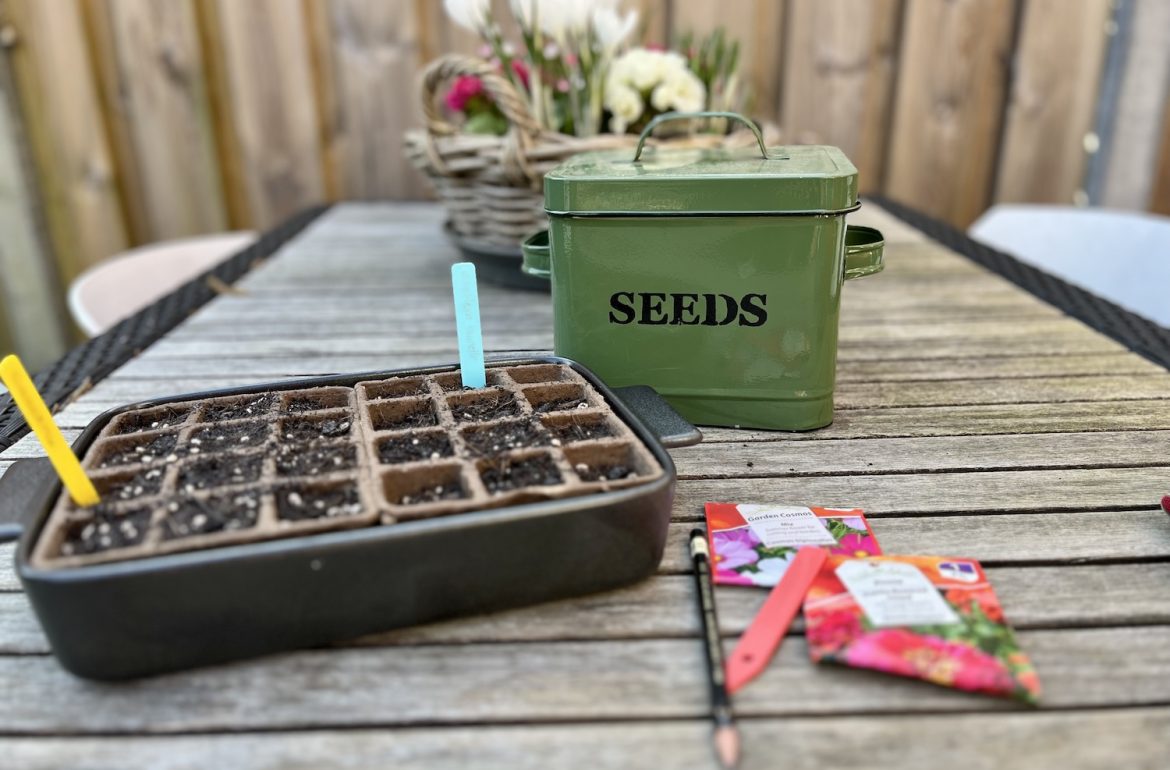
[569, 432]
[105, 531]
[158, 450]
[315, 460]
[249, 407]
[221, 513]
[486, 407]
[449, 491]
[234, 435]
[538, 471]
[144, 483]
[428, 446]
[300, 404]
[301, 503]
[311, 430]
[221, 470]
[503, 437]
[560, 404]
[157, 420]
[610, 472]
[423, 417]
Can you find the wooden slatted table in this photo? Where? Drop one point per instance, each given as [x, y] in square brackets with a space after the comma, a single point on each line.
[973, 419]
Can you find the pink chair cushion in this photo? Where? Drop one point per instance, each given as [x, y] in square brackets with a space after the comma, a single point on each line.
[125, 283]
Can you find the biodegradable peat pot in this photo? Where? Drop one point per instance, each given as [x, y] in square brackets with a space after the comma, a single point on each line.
[252, 520]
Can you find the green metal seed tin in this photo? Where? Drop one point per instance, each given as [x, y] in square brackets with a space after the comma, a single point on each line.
[713, 275]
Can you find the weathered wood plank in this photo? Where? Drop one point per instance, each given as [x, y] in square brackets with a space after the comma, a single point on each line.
[838, 79]
[997, 367]
[866, 456]
[31, 322]
[64, 126]
[995, 419]
[990, 492]
[1052, 100]
[950, 95]
[1037, 597]
[261, 89]
[1091, 739]
[151, 70]
[8, 579]
[578, 681]
[370, 94]
[1047, 390]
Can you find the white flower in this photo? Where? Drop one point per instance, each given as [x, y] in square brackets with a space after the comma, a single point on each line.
[469, 14]
[663, 76]
[558, 19]
[523, 10]
[611, 28]
[626, 105]
[770, 571]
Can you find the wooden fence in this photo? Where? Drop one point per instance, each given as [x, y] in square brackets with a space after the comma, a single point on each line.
[129, 121]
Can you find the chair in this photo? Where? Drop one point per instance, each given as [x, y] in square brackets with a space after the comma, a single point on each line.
[1122, 256]
[125, 283]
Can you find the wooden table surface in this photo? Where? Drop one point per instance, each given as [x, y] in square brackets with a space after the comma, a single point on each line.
[972, 420]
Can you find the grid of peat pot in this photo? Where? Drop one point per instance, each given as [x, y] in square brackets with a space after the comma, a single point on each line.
[233, 525]
[712, 275]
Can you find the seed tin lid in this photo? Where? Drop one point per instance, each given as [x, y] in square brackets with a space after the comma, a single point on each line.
[800, 179]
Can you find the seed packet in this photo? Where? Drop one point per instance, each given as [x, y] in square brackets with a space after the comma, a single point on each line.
[927, 617]
[752, 545]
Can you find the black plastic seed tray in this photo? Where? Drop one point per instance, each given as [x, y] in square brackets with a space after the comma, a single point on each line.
[241, 522]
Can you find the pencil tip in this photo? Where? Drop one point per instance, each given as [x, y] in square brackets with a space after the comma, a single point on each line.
[727, 746]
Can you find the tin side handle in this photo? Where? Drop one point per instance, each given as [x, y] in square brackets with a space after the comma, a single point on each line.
[666, 117]
[863, 251]
[537, 257]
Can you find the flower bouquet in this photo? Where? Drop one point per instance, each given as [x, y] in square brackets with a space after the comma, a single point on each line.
[571, 81]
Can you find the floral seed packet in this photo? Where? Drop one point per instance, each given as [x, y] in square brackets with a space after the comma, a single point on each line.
[927, 617]
[752, 545]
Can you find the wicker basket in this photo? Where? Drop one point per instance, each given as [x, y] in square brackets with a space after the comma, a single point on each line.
[492, 186]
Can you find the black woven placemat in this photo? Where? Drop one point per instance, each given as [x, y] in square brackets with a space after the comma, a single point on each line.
[1135, 332]
[86, 364]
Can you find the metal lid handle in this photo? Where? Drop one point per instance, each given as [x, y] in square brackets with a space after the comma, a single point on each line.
[669, 116]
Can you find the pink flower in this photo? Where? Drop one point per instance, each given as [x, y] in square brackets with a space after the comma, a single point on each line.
[828, 633]
[857, 545]
[735, 548]
[521, 71]
[953, 664]
[466, 88]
